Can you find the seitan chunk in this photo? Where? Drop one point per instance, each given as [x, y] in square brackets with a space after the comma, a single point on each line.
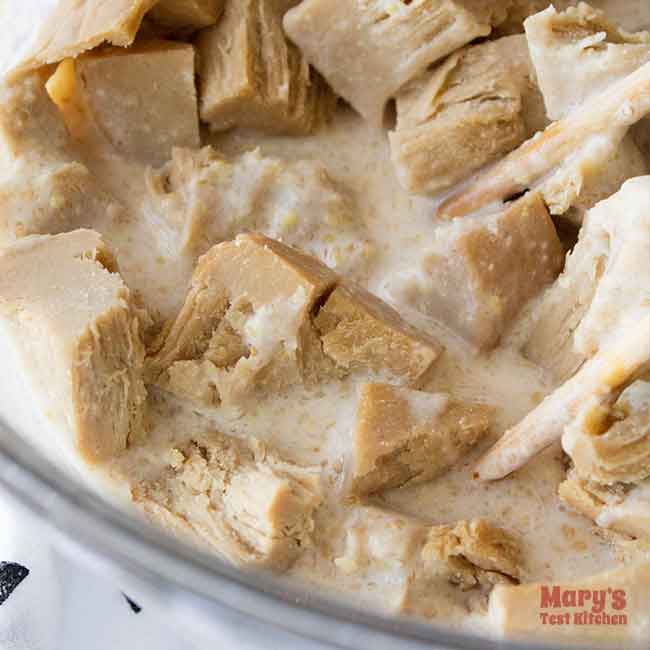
[480, 272]
[461, 563]
[251, 76]
[75, 334]
[245, 326]
[515, 610]
[612, 445]
[582, 40]
[200, 199]
[441, 569]
[186, 15]
[567, 155]
[606, 278]
[479, 104]
[620, 507]
[140, 121]
[359, 332]
[235, 497]
[252, 323]
[44, 188]
[368, 51]
[623, 357]
[598, 53]
[75, 26]
[403, 437]
[472, 553]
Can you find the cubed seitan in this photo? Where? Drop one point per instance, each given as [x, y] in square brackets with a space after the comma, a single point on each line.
[45, 188]
[261, 316]
[368, 50]
[245, 324]
[75, 333]
[515, 609]
[459, 564]
[361, 333]
[581, 39]
[251, 76]
[142, 100]
[186, 16]
[481, 272]
[620, 507]
[472, 553]
[442, 569]
[234, 496]
[479, 104]
[403, 437]
[75, 26]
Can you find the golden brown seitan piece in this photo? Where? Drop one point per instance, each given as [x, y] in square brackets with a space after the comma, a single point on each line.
[520, 611]
[246, 323]
[236, 497]
[368, 51]
[477, 105]
[403, 437]
[75, 334]
[251, 76]
[362, 334]
[102, 95]
[480, 272]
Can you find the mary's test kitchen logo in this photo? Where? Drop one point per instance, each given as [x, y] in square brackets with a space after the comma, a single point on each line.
[559, 606]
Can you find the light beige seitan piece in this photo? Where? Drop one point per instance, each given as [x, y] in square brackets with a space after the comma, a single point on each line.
[403, 437]
[441, 570]
[44, 189]
[361, 333]
[460, 564]
[597, 53]
[246, 325]
[250, 76]
[621, 507]
[472, 553]
[606, 278]
[75, 26]
[480, 272]
[479, 104]
[570, 152]
[140, 121]
[368, 50]
[612, 445]
[199, 199]
[187, 15]
[519, 612]
[75, 334]
[236, 497]
[584, 42]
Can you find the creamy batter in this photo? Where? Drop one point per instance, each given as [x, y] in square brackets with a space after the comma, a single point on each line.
[335, 194]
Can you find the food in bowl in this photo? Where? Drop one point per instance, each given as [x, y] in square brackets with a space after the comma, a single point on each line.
[357, 292]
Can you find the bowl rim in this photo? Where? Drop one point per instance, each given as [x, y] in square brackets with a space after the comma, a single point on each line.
[121, 541]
